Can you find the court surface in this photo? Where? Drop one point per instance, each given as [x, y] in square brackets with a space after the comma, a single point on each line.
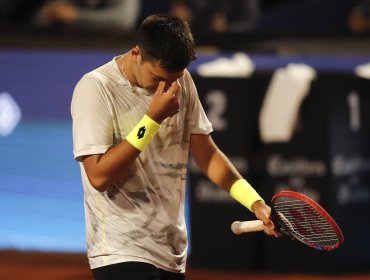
[57, 266]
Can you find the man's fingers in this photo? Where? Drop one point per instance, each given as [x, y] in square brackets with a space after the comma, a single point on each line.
[270, 229]
[269, 224]
[172, 91]
[265, 218]
[160, 88]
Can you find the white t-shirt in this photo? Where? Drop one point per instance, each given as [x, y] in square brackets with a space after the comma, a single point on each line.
[141, 216]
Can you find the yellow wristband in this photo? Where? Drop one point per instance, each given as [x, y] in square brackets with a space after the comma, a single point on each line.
[143, 133]
[244, 193]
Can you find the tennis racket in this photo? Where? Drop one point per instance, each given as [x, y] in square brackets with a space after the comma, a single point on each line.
[300, 218]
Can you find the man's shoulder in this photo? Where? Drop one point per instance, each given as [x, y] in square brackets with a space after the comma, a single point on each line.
[105, 73]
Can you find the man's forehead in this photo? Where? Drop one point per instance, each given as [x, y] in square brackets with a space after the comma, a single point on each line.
[159, 71]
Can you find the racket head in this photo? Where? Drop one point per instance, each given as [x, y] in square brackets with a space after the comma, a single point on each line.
[302, 218]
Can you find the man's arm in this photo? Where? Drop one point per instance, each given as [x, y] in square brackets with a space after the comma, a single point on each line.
[218, 168]
[212, 162]
[104, 169]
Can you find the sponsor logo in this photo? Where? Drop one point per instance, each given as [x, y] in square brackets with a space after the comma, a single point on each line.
[348, 173]
[277, 166]
[141, 132]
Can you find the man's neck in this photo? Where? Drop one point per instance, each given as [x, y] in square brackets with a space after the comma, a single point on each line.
[125, 67]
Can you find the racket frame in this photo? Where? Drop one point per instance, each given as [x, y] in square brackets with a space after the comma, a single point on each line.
[321, 211]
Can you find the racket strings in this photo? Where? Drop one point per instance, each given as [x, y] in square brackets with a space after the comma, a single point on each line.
[305, 223]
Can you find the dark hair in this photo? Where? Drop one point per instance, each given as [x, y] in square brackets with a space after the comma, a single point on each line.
[167, 39]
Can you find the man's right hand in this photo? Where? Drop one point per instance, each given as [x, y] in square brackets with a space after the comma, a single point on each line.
[165, 103]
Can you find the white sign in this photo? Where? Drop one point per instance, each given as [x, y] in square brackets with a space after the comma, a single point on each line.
[10, 114]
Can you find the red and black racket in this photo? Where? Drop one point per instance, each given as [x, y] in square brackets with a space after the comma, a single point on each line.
[301, 218]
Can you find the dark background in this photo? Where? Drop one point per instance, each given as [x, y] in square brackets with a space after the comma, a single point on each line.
[41, 195]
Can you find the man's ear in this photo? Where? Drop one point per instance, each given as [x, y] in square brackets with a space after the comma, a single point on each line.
[136, 54]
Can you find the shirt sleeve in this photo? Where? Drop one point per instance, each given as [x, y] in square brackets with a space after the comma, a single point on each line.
[92, 124]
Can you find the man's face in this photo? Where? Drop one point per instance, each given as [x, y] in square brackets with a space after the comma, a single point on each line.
[149, 73]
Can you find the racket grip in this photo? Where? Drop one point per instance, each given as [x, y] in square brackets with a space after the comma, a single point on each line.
[247, 226]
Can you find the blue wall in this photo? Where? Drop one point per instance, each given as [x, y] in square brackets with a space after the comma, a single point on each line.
[41, 196]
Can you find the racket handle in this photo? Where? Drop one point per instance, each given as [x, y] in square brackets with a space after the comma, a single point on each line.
[247, 226]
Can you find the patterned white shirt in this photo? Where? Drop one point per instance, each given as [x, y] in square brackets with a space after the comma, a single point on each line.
[141, 216]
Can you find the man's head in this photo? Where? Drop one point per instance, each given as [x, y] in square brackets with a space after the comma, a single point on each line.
[167, 39]
[165, 47]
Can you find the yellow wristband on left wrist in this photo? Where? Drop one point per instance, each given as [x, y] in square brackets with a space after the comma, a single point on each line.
[244, 193]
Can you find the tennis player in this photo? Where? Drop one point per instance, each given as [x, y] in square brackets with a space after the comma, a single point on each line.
[135, 120]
